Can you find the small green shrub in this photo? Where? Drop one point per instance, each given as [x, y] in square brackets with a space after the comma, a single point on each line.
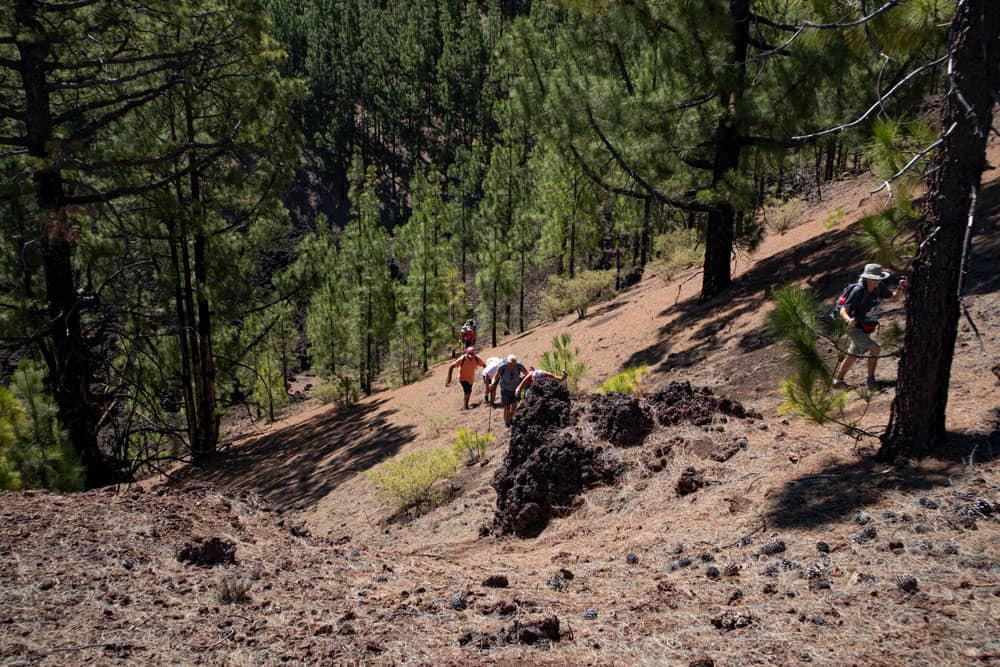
[783, 217]
[564, 358]
[470, 445]
[565, 295]
[628, 381]
[42, 454]
[11, 419]
[234, 590]
[676, 251]
[342, 390]
[408, 480]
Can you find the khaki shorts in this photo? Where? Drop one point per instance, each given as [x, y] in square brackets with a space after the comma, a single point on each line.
[861, 342]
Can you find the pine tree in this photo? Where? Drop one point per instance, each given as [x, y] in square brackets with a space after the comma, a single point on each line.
[917, 419]
[365, 255]
[423, 254]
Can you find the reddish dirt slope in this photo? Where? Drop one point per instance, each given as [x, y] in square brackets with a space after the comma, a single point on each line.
[333, 579]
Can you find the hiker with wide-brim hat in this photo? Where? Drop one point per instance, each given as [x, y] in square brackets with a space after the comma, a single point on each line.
[861, 314]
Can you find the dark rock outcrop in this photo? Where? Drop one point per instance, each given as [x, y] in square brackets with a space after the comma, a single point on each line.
[546, 466]
[620, 419]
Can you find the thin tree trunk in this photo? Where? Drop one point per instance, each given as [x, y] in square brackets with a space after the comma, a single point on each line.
[917, 419]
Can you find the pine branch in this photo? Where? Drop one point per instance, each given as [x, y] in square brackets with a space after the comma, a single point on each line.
[825, 26]
[877, 104]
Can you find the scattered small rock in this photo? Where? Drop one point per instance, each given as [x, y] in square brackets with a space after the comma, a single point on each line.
[556, 583]
[981, 507]
[712, 572]
[907, 583]
[770, 589]
[731, 570]
[865, 578]
[774, 546]
[823, 547]
[496, 581]
[702, 661]
[731, 619]
[736, 595]
[896, 547]
[813, 571]
[771, 571]
[921, 528]
[690, 481]
[929, 503]
[819, 620]
[632, 559]
[566, 574]
[951, 550]
[869, 533]
[707, 557]
[742, 443]
[590, 614]
[862, 518]
[532, 631]
[460, 600]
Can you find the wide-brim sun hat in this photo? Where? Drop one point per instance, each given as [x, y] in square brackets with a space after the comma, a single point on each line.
[511, 359]
[874, 272]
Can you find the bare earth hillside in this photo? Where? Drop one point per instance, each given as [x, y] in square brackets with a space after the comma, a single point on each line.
[724, 536]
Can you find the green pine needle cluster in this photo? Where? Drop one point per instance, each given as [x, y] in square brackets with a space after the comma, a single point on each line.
[808, 393]
[628, 381]
[563, 358]
[35, 451]
[471, 445]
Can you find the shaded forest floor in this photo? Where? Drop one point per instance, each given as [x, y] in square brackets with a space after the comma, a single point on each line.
[909, 572]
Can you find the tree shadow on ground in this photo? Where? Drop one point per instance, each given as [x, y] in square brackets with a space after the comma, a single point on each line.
[298, 465]
[824, 263]
[840, 490]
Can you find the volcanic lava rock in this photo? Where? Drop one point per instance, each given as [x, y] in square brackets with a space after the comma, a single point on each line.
[680, 402]
[546, 467]
[620, 419]
[690, 481]
[208, 552]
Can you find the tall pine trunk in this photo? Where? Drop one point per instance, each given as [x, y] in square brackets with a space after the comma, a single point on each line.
[69, 362]
[917, 419]
[720, 235]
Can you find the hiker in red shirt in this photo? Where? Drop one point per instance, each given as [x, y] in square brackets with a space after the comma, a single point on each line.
[466, 373]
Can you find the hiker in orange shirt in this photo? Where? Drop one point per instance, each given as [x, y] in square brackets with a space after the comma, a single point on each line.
[466, 373]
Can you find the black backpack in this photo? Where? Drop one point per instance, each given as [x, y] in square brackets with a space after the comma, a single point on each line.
[839, 302]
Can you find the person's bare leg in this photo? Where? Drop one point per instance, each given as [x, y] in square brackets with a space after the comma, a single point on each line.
[873, 360]
[845, 366]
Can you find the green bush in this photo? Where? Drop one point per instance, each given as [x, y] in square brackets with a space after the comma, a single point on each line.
[342, 390]
[628, 381]
[676, 251]
[783, 217]
[471, 445]
[408, 480]
[565, 295]
[11, 419]
[42, 453]
[564, 358]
